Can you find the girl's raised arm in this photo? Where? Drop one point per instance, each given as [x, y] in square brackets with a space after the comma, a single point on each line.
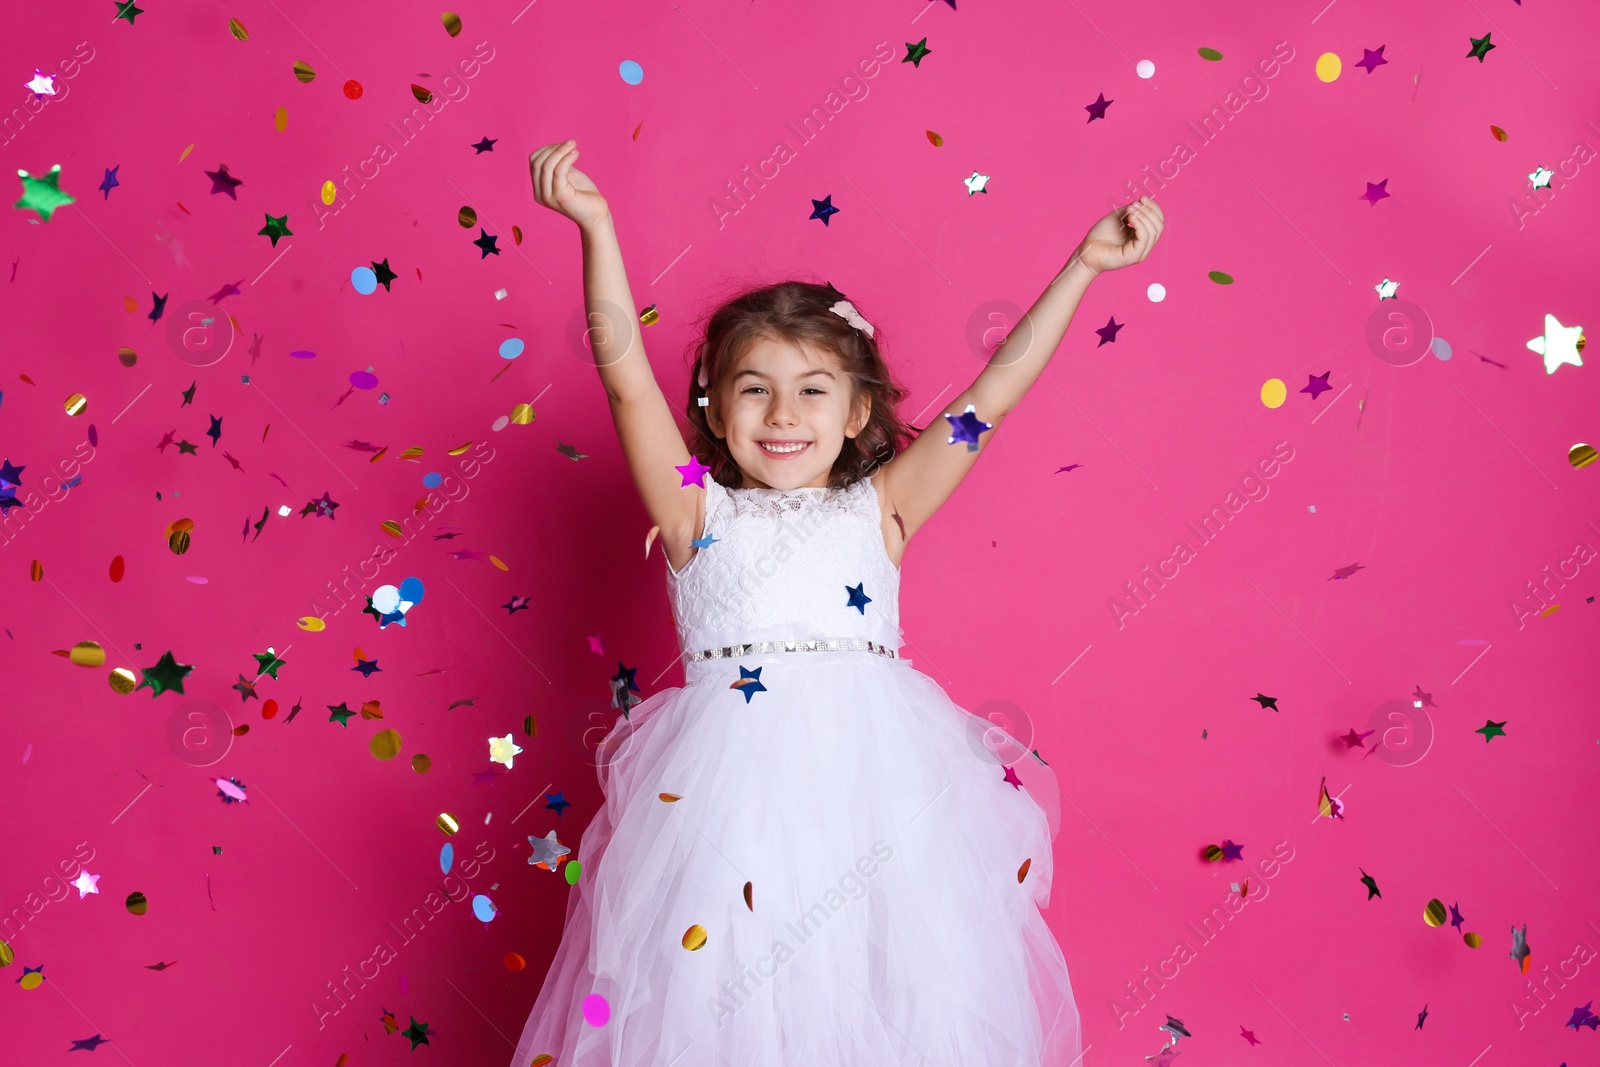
[651, 440]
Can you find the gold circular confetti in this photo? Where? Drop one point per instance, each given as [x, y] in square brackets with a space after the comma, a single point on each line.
[421, 764]
[280, 119]
[447, 824]
[529, 726]
[236, 28]
[1213, 853]
[127, 356]
[123, 680]
[311, 623]
[1328, 67]
[179, 542]
[385, 744]
[1434, 914]
[452, 23]
[87, 654]
[6, 953]
[694, 937]
[330, 192]
[1274, 392]
[1472, 940]
[32, 980]
[543, 1059]
[304, 72]
[459, 449]
[650, 316]
[137, 904]
[392, 528]
[522, 414]
[1581, 455]
[468, 217]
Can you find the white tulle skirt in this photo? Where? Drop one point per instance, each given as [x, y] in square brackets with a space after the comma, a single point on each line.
[881, 844]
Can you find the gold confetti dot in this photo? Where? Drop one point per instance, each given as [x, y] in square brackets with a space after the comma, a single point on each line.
[385, 744]
[1213, 853]
[137, 904]
[75, 404]
[421, 764]
[392, 528]
[311, 624]
[305, 73]
[1472, 940]
[87, 654]
[650, 316]
[7, 955]
[36, 571]
[694, 937]
[1328, 67]
[123, 680]
[280, 119]
[127, 356]
[459, 449]
[516, 234]
[1499, 134]
[1274, 392]
[1435, 914]
[236, 28]
[130, 305]
[186, 152]
[452, 23]
[178, 541]
[330, 192]
[496, 561]
[1581, 455]
[32, 980]
[529, 726]
[467, 217]
[447, 824]
[522, 414]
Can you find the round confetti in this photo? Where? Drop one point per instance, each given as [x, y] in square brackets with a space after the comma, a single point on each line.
[511, 348]
[1441, 348]
[127, 357]
[1157, 292]
[529, 725]
[280, 119]
[117, 568]
[304, 72]
[386, 598]
[1472, 940]
[364, 280]
[467, 217]
[483, 907]
[631, 72]
[311, 624]
[452, 23]
[596, 1010]
[364, 379]
[1219, 277]
[269, 710]
[178, 542]
[694, 937]
[1328, 67]
[1499, 134]
[1145, 69]
[934, 139]
[7, 954]
[87, 654]
[1210, 55]
[447, 856]
[1581, 455]
[1435, 914]
[385, 744]
[421, 764]
[573, 870]
[301, 353]
[236, 28]
[501, 423]
[137, 904]
[432, 479]
[123, 680]
[514, 961]
[447, 824]
[75, 404]
[411, 590]
[1274, 392]
[31, 980]
[329, 193]
[352, 89]
[523, 414]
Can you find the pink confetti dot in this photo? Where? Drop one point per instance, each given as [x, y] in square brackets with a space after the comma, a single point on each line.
[364, 379]
[596, 1009]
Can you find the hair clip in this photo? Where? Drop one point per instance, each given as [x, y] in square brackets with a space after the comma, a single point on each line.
[847, 311]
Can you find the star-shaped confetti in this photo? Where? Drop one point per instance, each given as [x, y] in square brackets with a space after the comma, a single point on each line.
[228, 289]
[1231, 852]
[557, 803]
[126, 10]
[223, 182]
[1491, 729]
[416, 1033]
[1317, 384]
[1540, 178]
[1480, 47]
[88, 1044]
[624, 677]
[276, 228]
[160, 302]
[1421, 1017]
[1355, 740]
[366, 666]
[823, 209]
[484, 145]
[215, 432]
[1344, 572]
[42, 195]
[858, 599]
[1010, 777]
[87, 883]
[185, 448]
[967, 427]
[1108, 332]
[693, 472]
[268, 663]
[1558, 344]
[385, 275]
[486, 243]
[517, 603]
[42, 84]
[322, 505]
[168, 673]
[1375, 193]
[231, 790]
[1175, 1028]
[749, 683]
[547, 851]
[10, 476]
[340, 713]
[1371, 884]
[1584, 1016]
[1097, 110]
[1456, 918]
[1519, 947]
[109, 182]
[570, 451]
[503, 750]
[977, 183]
[1265, 701]
[1386, 290]
[915, 52]
[1248, 1035]
[246, 688]
[1372, 59]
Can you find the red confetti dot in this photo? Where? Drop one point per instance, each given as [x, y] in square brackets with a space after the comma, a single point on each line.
[352, 89]
[117, 568]
[269, 709]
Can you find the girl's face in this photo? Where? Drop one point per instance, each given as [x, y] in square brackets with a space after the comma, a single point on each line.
[784, 413]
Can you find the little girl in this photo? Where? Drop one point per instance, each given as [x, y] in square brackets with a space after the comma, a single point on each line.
[808, 856]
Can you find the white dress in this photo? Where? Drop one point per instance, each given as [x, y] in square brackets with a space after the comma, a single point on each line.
[869, 816]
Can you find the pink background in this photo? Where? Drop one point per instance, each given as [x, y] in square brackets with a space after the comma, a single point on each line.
[1446, 480]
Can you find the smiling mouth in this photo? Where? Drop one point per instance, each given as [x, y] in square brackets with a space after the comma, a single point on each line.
[783, 448]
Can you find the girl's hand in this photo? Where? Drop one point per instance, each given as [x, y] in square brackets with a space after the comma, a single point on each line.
[1122, 238]
[560, 187]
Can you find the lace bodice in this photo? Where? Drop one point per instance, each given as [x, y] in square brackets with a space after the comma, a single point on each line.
[784, 566]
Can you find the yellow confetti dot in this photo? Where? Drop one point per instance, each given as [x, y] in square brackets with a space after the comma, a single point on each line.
[304, 71]
[127, 356]
[496, 561]
[1274, 392]
[1328, 67]
[31, 980]
[522, 414]
[452, 23]
[1472, 940]
[6, 953]
[329, 192]
[1581, 455]
[123, 680]
[447, 823]
[280, 119]
[1434, 914]
[421, 764]
[87, 654]
[311, 624]
[76, 404]
[694, 937]
[236, 28]
[934, 139]
[385, 744]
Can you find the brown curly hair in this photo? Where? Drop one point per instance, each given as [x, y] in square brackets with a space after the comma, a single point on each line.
[797, 312]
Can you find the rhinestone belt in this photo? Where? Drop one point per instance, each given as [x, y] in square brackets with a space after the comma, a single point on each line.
[848, 644]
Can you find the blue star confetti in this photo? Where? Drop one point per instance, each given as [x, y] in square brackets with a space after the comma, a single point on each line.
[966, 427]
[858, 599]
[749, 683]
